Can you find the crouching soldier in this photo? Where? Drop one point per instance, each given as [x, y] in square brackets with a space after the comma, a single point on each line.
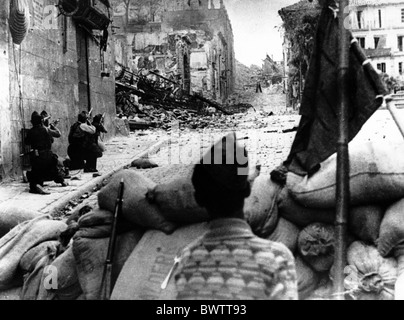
[83, 150]
[44, 162]
[229, 262]
[55, 133]
[98, 123]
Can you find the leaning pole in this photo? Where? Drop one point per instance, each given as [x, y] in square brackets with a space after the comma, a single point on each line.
[342, 192]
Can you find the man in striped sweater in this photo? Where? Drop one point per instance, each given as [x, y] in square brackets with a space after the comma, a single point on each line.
[229, 262]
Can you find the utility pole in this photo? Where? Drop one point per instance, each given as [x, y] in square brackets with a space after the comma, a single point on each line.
[343, 191]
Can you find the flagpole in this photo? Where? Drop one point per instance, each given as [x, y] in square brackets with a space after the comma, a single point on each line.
[342, 192]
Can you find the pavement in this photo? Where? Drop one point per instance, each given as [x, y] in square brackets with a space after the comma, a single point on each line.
[268, 140]
[120, 152]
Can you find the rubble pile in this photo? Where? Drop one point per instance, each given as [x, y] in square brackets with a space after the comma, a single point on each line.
[158, 102]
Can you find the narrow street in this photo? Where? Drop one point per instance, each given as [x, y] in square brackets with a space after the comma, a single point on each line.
[108, 106]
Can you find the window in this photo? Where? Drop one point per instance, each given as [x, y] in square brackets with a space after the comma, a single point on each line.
[402, 15]
[400, 43]
[400, 67]
[359, 15]
[362, 42]
[381, 67]
[377, 39]
[380, 18]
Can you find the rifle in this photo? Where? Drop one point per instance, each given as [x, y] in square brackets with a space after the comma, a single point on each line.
[55, 122]
[27, 153]
[107, 277]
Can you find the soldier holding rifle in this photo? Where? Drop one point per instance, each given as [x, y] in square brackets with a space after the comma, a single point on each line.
[44, 163]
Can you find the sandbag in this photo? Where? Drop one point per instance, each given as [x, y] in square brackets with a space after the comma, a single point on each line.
[375, 177]
[136, 208]
[11, 216]
[68, 287]
[177, 203]
[30, 259]
[10, 294]
[150, 263]
[391, 229]
[22, 238]
[301, 215]
[324, 291]
[307, 279]
[90, 256]
[286, 233]
[371, 276]
[316, 246]
[364, 222]
[260, 208]
[399, 286]
[36, 281]
[143, 163]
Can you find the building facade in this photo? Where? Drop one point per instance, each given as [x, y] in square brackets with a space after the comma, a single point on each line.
[379, 27]
[188, 41]
[59, 67]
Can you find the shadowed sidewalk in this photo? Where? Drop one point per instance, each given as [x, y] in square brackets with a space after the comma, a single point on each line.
[120, 152]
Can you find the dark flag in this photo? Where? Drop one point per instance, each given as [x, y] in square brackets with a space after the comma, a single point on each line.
[317, 135]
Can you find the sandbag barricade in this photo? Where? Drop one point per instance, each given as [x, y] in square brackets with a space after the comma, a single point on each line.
[392, 229]
[307, 279]
[286, 233]
[364, 222]
[302, 215]
[68, 287]
[316, 246]
[177, 203]
[136, 208]
[375, 177]
[11, 216]
[260, 208]
[21, 239]
[370, 276]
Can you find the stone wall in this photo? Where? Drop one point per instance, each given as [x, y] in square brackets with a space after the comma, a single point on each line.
[56, 68]
[5, 125]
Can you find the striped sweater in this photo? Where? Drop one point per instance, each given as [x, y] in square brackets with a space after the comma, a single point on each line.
[230, 263]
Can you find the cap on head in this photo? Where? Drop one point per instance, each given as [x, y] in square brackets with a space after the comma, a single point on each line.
[227, 164]
[221, 178]
[36, 118]
[82, 117]
[97, 118]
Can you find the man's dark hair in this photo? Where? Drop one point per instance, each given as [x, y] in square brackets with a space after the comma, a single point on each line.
[222, 188]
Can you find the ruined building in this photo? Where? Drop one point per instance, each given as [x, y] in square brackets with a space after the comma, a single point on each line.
[379, 27]
[187, 41]
[57, 65]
